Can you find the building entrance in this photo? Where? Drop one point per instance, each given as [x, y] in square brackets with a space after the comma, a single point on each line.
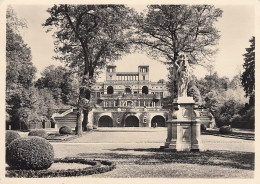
[131, 121]
[105, 121]
[158, 121]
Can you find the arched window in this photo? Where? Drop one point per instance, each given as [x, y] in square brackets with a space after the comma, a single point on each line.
[110, 90]
[145, 90]
[128, 91]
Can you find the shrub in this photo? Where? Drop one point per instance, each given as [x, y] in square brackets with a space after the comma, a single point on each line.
[249, 117]
[10, 136]
[39, 133]
[225, 129]
[203, 127]
[65, 130]
[30, 153]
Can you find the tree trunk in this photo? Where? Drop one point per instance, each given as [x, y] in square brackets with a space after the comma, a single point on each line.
[83, 104]
[85, 120]
[79, 131]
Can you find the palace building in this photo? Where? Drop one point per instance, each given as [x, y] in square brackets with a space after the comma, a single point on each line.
[126, 99]
[129, 99]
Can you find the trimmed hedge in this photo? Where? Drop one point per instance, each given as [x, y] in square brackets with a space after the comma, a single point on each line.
[39, 133]
[65, 130]
[97, 168]
[10, 136]
[225, 129]
[30, 153]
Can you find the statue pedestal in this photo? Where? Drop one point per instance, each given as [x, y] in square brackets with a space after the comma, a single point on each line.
[183, 129]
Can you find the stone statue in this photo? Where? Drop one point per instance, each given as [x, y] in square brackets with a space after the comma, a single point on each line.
[182, 75]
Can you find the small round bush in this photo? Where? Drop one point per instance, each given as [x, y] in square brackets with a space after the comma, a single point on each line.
[225, 129]
[39, 133]
[203, 127]
[65, 130]
[30, 153]
[10, 136]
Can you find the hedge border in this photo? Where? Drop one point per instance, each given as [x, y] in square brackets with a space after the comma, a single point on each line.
[98, 166]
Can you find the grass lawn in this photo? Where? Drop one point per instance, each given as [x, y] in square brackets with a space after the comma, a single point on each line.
[137, 154]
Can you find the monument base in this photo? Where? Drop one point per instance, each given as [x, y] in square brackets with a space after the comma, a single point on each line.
[183, 130]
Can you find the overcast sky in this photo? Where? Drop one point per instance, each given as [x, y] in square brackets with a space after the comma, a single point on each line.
[236, 26]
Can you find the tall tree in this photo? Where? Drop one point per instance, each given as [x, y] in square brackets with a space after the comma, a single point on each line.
[20, 71]
[167, 31]
[87, 38]
[248, 76]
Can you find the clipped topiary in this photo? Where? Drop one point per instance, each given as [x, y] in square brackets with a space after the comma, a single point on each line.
[225, 129]
[33, 153]
[39, 133]
[65, 130]
[10, 136]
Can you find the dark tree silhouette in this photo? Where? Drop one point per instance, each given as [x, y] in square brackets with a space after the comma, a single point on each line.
[248, 76]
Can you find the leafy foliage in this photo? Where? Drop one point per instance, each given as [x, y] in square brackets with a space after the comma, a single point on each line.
[30, 153]
[29, 106]
[25, 104]
[167, 31]
[61, 82]
[87, 38]
[225, 100]
[248, 76]
[10, 136]
[19, 68]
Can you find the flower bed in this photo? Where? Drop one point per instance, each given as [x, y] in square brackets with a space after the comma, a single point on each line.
[97, 166]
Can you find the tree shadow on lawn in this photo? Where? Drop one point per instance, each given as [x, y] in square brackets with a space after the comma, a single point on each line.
[239, 160]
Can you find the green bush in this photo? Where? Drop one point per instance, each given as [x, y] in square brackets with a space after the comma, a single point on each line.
[10, 136]
[33, 153]
[65, 130]
[225, 129]
[39, 133]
